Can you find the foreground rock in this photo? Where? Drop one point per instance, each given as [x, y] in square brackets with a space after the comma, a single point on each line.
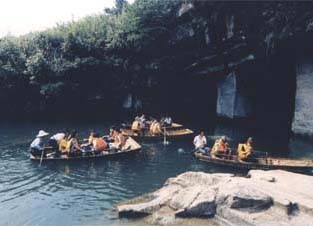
[262, 198]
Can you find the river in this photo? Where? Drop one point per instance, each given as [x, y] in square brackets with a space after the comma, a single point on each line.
[84, 193]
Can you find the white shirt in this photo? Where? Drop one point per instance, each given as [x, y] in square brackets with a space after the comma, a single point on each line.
[37, 144]
[58, 137]
[199, 141]
[168, 120]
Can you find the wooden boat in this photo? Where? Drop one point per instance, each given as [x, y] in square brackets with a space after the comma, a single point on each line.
[172, 126]
[130, 147]
[170, 134]
[264, 163]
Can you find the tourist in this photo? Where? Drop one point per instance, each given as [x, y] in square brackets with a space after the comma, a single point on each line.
[119, 140]
[55, 140]
[168, 121]
[112, 135]
[88, 146]
[221, 148]
[91, 137]
[143, 121]
[98, 143]
[152, 126]
[73, 147]
[38, 145]
[136, 126]
[155, 128]
[245, 150]
[200, 143]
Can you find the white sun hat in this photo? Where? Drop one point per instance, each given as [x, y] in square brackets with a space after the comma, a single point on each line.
[42, 133]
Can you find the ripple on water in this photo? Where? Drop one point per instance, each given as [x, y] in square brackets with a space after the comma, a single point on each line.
[81, 193]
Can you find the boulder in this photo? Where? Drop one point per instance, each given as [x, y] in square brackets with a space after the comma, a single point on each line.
[247, 198]
[202, 206]
[261, 198]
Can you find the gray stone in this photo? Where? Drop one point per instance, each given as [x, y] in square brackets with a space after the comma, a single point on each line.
[185, 8]
[247, 198]
[230, 102]
[303, 117]
[202, 206]
[253, 200]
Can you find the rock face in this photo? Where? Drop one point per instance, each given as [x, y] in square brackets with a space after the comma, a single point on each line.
[303, 117]
[262, 198]
[230, 102]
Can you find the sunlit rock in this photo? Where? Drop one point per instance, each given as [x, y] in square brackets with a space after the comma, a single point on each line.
[262, 198]
[303, 117]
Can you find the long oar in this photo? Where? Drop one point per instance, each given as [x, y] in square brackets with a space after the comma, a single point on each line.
[41, 157]
[165, 142]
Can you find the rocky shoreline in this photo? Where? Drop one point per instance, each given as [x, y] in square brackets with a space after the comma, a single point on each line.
[261, 198]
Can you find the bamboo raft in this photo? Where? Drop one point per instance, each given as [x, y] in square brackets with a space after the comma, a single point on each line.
[131, 147]
[264, 163]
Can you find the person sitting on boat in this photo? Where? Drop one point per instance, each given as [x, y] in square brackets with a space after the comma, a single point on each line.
[200, 143]
[73, 147]
[136, 126]
[111, 134]
[167, 121]
[88, 145]
[55, 140]
[152, 126]
[98, 143]
[119, 140]
[155, 128]
[221, 148]
[245, 150]
[37, 146]
[142, 121]
[63, 146]
[91, 137]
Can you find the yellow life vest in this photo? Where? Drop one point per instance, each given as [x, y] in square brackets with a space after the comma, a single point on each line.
[244, 151]
[63, 146]
[69, 145]
[215, 148]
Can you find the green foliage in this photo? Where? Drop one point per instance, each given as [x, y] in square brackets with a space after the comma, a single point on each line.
[118, 51]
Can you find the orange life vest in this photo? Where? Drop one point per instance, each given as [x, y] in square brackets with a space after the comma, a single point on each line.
[222, 146]
[99, 144]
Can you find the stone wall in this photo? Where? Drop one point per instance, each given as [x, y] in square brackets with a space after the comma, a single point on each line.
[230, 102]
[303, 117]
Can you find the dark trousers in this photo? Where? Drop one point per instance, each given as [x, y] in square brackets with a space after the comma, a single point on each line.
[54, 144]
[36, 152]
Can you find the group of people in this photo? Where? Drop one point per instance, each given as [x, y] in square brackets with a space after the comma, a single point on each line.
[67, 143]
[221, 148]
[154, 126]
